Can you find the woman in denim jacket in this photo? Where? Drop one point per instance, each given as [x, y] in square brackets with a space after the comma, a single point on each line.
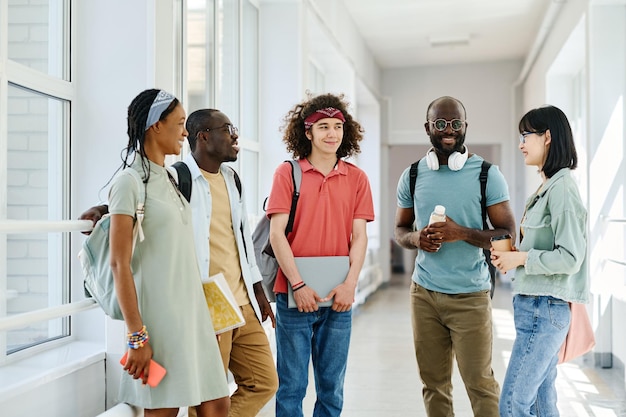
[550, 266]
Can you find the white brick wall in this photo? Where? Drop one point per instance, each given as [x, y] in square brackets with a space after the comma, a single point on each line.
[28, 33]
[29, 166]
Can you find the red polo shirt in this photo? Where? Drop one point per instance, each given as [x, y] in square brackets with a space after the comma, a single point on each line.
[325, 211]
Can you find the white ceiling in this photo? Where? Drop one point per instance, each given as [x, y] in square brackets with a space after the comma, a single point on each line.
[401, 33]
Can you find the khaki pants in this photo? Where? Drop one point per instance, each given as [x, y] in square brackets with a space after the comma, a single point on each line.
[246, 353]
[445, 325]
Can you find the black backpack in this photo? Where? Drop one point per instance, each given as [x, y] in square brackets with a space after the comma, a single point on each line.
[184, 179]
[484, 169]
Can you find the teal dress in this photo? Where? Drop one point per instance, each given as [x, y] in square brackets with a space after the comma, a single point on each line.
[171, 299]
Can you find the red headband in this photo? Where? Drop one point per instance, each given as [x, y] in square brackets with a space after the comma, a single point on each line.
[328, 112]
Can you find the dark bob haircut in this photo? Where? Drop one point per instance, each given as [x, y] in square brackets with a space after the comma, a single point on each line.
[562, 152]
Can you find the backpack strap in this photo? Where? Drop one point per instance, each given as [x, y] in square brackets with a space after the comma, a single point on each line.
[296, 177]
[237, 180]
[140, 210]
[484, 174]
[238, 185]
[184, 179]
[413, 178]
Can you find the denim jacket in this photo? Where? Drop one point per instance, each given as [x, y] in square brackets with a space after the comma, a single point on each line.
[554, 230]
[201, 206]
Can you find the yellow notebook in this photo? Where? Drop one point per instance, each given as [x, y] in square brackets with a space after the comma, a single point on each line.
[225, 312]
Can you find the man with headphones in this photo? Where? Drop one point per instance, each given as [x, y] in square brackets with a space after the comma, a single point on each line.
[450, 302]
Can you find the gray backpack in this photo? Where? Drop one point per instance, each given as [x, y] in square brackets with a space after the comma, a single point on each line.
[95, 256]
[265, 259]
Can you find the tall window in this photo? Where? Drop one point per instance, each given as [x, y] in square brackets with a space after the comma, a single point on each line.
[228, 58]
[222, 72]
[34, 173]
[200, 54]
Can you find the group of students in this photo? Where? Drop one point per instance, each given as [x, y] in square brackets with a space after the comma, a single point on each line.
[450, 297]
[166, 313]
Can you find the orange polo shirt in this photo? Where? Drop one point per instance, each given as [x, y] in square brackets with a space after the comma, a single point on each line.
[325, 211]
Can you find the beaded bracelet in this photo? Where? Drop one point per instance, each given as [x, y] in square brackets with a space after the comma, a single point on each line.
[299, 288]
[138, 339]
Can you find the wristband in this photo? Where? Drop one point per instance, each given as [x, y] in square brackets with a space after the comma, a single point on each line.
[138, 339]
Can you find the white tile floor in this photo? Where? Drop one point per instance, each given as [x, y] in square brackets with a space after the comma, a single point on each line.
[382, 375]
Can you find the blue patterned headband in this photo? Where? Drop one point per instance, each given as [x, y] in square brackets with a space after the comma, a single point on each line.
[160, 103]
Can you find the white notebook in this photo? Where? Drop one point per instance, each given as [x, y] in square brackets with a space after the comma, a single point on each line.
[225, 311]
[322, 273]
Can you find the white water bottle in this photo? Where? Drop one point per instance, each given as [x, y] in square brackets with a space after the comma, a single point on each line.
[438, 215]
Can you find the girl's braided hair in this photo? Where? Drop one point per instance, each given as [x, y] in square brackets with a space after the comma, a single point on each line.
[137, 115]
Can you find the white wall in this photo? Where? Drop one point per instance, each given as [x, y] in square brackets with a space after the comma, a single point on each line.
[368, 113]
[534, 88]
[280, 79]
[79, 394]
[484, 89]
[348, 41]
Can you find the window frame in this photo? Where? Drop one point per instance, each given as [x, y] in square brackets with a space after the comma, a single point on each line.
[61, 88]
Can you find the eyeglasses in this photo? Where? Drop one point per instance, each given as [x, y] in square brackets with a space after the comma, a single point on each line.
[232, 130]
[442, 124]
[522, 136]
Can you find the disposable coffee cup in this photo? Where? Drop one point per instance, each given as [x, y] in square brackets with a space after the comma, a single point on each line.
[501, 243]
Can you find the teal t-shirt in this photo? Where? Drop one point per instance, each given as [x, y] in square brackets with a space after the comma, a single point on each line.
[457, 267]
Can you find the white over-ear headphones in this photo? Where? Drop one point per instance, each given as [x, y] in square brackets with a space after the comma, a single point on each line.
[456, 161]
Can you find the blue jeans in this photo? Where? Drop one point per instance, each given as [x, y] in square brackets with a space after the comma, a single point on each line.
[541, 325]
[323, 336]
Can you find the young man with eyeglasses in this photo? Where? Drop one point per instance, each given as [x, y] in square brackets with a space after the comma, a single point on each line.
[450, 302]
[224, 244]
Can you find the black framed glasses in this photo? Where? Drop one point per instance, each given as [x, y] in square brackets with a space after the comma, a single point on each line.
[232, 130]
[522, 136]
[442, 124]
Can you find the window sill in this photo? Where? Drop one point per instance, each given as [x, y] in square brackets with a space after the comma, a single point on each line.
[42, 368]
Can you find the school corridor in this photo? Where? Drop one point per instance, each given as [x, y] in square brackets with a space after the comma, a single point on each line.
[382, 377]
